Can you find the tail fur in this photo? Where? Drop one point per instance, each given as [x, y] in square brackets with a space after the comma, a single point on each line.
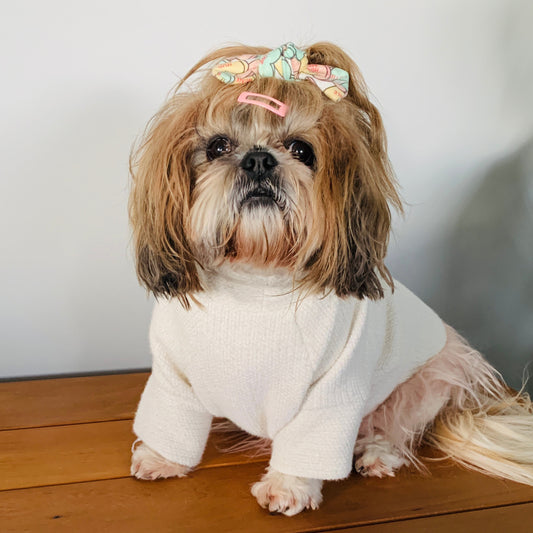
[485, 426]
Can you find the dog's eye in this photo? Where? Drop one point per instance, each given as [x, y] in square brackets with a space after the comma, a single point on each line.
[302, 151]
[217, 147]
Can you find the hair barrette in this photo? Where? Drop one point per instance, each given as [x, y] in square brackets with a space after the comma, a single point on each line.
[262, 100]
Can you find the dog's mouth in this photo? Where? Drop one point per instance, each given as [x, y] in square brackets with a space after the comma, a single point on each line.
[261, 196]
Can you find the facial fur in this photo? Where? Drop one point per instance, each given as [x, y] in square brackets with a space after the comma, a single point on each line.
[262, 215]
[216, 180]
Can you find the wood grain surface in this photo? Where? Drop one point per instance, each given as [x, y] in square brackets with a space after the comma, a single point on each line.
[64, 466]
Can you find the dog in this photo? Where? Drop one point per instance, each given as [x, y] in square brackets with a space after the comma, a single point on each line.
[261, 211]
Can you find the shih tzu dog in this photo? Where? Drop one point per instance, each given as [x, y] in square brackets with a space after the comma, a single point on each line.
[261, 213]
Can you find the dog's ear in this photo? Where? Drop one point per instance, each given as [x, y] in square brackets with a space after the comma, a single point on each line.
[161, 169]
[355, 184]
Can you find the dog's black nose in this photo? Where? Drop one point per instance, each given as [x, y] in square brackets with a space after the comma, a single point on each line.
[257, 163]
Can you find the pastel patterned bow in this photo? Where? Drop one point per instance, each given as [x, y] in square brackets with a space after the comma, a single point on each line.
[287, 63]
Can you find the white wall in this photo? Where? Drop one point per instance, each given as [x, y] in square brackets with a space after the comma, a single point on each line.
[79, 80]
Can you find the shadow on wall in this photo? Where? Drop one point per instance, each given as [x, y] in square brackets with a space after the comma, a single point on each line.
[487, 284]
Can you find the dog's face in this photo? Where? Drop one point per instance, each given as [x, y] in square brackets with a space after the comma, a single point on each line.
[218, 180]
[254, 172]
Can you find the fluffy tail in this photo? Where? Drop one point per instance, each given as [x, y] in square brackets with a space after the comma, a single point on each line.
[485, 426]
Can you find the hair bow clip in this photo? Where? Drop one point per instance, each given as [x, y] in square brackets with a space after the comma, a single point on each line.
[286, 62]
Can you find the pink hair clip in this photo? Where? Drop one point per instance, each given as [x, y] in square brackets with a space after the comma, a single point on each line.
[261, 100]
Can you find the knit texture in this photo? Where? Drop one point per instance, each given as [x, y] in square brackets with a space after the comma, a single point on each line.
[302, 372]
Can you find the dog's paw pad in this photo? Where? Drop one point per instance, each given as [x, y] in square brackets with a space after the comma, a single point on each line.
[288, 495]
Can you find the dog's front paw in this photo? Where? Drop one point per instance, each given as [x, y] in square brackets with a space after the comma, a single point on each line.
[281, 493]
[378, 458]
[147, 464]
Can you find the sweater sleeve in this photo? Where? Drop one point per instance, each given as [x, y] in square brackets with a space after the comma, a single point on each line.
[319, 441]
[170, 419]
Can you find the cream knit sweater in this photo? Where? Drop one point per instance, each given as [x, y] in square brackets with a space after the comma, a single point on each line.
[302, 373]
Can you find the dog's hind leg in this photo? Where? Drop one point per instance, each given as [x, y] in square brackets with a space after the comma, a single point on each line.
[389, 435]
[458, 403]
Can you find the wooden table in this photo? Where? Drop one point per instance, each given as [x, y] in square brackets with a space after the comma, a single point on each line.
[64, 466]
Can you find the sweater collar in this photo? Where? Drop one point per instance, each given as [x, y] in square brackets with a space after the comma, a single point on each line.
[248, 283]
